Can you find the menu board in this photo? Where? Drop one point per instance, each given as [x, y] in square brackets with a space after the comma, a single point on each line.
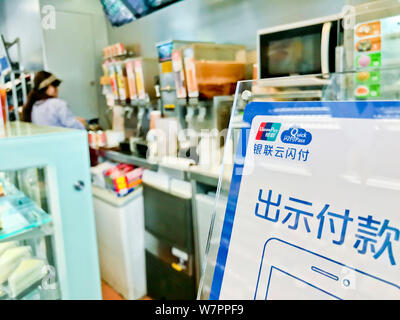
[375, 44]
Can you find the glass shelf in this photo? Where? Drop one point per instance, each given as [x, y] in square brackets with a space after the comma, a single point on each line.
[18, 213]
[33, 292]
[28, 294]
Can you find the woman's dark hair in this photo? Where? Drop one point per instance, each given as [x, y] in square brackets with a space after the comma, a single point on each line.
[35, 95]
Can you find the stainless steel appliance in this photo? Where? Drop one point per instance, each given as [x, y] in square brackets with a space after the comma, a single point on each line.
[303, 48]
[172, 102]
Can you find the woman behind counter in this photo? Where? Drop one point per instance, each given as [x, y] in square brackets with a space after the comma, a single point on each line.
[44, 108]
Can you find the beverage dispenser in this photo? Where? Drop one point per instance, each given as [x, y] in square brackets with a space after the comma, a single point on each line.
[172, 84]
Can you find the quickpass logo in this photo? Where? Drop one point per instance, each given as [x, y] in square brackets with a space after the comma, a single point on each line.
[268, 131]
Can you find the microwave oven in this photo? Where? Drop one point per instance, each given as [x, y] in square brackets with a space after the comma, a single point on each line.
[304, 48]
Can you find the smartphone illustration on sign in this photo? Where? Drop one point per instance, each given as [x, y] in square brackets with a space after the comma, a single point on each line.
[289, 272]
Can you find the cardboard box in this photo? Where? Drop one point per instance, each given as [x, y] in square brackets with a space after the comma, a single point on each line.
[123, 178]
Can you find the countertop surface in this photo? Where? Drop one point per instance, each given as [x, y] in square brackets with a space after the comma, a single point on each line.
[194, 172]
[19, 129]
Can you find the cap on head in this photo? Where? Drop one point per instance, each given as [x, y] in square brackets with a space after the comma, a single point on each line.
[44, 79]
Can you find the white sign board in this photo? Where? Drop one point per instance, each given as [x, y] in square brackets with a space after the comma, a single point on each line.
[317, 214]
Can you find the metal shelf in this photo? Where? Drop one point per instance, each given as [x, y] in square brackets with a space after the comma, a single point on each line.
[128, 158]
[295, 81]
[132, 103]
[292, 94]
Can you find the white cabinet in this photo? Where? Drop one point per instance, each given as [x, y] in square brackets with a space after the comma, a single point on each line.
[120, 237]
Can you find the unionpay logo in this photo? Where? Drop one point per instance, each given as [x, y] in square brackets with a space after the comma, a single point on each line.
[268, 131]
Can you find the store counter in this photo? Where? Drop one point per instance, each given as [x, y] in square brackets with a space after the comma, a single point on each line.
[172, 187]
[209, 175]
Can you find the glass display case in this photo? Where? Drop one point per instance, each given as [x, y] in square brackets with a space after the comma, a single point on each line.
[48, 246]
